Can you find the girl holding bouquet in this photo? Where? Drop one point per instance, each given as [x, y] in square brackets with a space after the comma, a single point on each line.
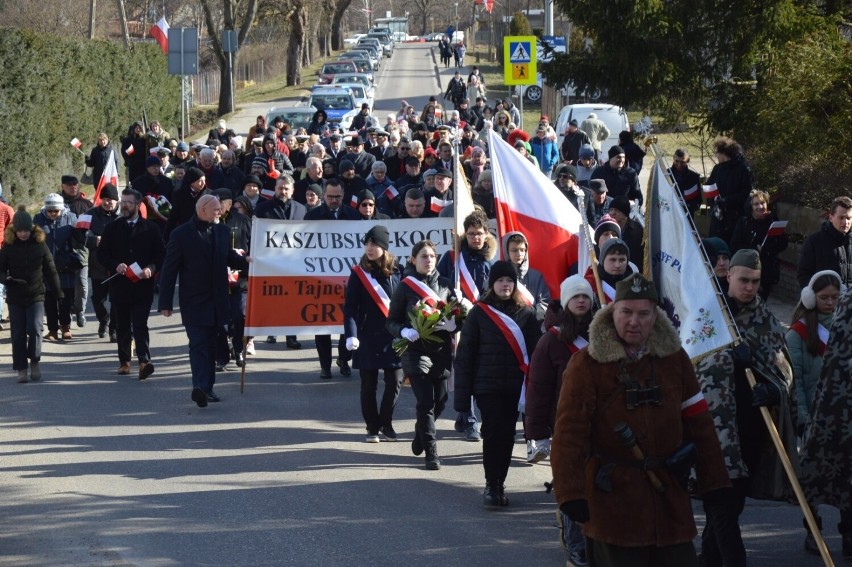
[365, 312]
[426, 361]
[492, 359]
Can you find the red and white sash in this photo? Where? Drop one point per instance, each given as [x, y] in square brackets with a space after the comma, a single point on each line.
[578, 344]
[801, 329]
[609, 292]
[420, 288]
[525, 293]
[465, 279]
[511, 332]
[374, 289]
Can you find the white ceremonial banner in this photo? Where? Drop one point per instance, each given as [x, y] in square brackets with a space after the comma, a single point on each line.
[683, 278]
[300, 269]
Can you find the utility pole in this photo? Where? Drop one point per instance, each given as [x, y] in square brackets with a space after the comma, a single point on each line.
[92, 7]
[548, 17]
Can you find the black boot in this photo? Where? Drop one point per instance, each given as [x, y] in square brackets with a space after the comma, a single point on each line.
[416, 445]
[501, 495]
[433, 463]
[810, 540]
[490, 497]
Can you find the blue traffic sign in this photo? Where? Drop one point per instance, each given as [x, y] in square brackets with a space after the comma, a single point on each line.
[519, 52]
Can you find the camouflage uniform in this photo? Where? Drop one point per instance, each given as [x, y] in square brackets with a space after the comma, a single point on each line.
[771, 364]
[826, 456]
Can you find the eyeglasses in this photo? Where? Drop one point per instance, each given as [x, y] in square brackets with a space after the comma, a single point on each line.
[333, 196]
[403, 148]
[367, 204]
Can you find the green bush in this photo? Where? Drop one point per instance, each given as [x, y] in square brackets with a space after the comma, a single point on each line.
[55, 89]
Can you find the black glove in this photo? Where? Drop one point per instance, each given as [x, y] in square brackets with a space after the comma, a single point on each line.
[742, 356]
[765, 395]
[577, 510]
[718, 496]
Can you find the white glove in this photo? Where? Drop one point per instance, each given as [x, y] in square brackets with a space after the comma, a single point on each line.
[466, 303]
[448, 325]
[352, 343]
[409, 334]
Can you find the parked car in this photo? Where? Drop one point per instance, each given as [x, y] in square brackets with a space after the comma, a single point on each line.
[613, 116]
[296, 116]
[362, 64]
[360, 78]
[532, 93]
[361, 93]
[333, 68]
[354, 39]
[338, 103]
[359, 55]
[386, 41]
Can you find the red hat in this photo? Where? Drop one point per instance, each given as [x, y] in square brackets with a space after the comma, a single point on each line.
[517, 134]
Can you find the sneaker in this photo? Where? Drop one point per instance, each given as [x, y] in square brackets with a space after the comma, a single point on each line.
[271, 340]
[389, 433]
[22, 376]
[471, 433]
[145, 369]
[81, 319]
[250, 347]
[124, 369]
[35, 371]
[537, 452]
[372, 438]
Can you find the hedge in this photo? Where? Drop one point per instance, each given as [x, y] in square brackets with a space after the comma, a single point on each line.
[55, 89]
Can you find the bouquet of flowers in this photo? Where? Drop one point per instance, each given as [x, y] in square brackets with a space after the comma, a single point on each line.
[159, 205]
[425, 316]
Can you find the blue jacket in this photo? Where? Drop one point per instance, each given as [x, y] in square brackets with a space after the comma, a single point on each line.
[546, 152]
[60, 238]
[203, 270]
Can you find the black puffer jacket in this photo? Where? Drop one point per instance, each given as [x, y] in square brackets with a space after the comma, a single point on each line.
[485, 362]
[24, 267]
[735, 181]
[827, 249]
[420, 356]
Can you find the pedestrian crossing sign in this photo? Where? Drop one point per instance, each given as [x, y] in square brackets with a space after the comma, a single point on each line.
[519, 60]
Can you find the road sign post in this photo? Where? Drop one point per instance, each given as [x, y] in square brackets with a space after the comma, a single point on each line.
[519, 64]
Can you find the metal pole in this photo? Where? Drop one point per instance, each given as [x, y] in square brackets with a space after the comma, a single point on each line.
[231, 75]
[548, 17]
[182, 115]
[521, 109]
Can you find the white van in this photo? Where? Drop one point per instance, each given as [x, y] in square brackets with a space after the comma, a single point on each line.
[613, 116]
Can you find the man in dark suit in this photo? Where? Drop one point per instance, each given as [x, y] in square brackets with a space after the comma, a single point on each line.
[332, 209]
[132, 248]
[382, 149]
[282, 207]
[355, 153]
[200, 252]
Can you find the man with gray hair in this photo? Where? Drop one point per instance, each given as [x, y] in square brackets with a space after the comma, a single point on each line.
[597, 132]
[232, 175]
[313, 174]
[200, 252]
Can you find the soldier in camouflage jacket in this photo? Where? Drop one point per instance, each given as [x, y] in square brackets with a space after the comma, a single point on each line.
[753, 464]
[826, 456]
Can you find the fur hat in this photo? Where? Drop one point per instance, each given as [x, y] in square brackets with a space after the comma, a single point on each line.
[574, 285]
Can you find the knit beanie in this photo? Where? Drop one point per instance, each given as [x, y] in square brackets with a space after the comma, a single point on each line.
[379, 236]
[23, 220]
[574, 285]
[607, 223]
[621, 203]
[613, 246]
[193, 174]
[614, 151]
[109, 191]
[502, 269]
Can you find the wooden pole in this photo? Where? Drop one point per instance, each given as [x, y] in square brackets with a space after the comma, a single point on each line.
[591, 247]
[92, 11]
[791, 475]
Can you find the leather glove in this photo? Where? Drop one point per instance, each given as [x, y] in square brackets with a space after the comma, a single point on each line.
[352, 343]
[409, 334]
[718, 496]
[448, 325]
[742, 356]
[765, 395]
[576, 510]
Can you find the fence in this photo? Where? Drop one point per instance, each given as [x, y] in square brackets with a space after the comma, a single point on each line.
[207, 85]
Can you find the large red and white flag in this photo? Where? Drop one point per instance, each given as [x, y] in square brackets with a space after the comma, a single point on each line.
[110, 175]
[160, 32]
[527, 201]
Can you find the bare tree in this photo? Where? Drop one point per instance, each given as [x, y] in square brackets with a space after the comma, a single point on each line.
[224, 15]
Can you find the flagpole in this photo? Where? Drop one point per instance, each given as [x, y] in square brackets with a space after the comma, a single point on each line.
[593, 258]
[458, 237]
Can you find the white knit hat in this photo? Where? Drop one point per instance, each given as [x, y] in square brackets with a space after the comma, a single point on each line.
[574, 285]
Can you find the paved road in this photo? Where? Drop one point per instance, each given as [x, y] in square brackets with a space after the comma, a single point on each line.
[103, 470]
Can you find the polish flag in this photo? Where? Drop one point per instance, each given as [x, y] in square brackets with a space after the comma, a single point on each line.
[134, 272]
[353, 201]
[267, 193]
[777, 228]
[84, 221]
[529, 202]
[391, 192]
[710, 191]
[437, 205]
[160, 32]
[110, 175]
[691, 193]
[130, 150]
[77, 143]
